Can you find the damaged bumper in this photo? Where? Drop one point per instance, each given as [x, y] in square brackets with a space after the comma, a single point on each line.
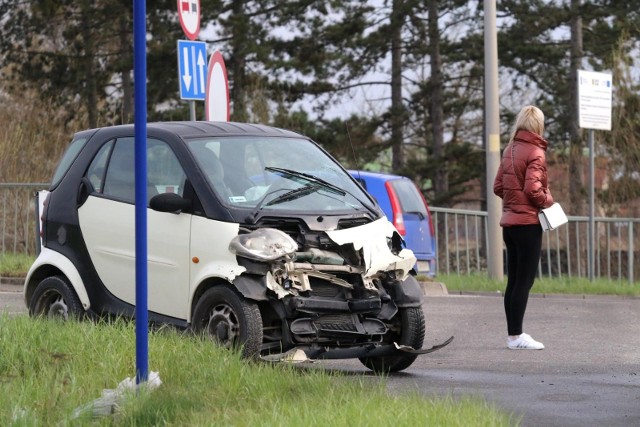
[302, 354]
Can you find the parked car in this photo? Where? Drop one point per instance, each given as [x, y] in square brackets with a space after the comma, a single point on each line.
[256, 237]
[405, 206]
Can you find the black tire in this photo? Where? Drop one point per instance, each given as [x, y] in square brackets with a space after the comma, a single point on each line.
[230, 320]
[55, 298]
[411, 332]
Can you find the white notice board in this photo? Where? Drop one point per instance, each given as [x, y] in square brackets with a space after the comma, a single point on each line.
[595, 92]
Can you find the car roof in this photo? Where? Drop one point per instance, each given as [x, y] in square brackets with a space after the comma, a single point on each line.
[203, 128]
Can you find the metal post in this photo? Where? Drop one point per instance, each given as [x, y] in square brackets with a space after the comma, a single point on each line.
[492, 140]
[140, 156]
[630, 254]
[592, 224]
[192, 110]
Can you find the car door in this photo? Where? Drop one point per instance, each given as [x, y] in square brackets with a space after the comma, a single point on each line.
[107, 222]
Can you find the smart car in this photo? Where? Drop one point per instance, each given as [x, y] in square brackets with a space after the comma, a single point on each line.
[257, 238]
[405, 206]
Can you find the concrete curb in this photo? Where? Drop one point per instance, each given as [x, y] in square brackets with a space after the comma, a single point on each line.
[434, 289]
[11, 284]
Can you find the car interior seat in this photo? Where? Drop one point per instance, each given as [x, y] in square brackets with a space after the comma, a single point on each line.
[213, 169]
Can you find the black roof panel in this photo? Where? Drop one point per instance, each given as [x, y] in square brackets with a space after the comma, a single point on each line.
[203, 128]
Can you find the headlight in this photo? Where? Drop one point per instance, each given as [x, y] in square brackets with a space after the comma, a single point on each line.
[265, 244]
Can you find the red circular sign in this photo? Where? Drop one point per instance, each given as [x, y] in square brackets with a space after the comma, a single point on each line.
[189, 13]
[216, 102]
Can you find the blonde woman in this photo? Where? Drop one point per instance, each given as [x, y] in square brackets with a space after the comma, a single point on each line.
[521, 183]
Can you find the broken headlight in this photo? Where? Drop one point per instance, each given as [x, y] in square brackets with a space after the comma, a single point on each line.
[265, 244]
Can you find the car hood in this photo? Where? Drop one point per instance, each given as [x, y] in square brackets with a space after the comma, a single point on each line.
[373, 239]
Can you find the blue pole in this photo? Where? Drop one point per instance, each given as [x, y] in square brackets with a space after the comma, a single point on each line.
[140, 117]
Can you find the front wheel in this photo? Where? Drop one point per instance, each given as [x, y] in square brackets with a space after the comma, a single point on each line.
[408, 329]
[55, 298]
[230, 320]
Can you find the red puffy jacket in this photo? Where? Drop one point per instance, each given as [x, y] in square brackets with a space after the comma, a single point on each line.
[521, 181]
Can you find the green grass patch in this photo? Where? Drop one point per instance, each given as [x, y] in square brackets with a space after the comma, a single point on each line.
[564, 285]
[48, 369]
[15, 264]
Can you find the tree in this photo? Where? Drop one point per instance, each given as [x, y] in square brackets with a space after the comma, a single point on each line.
[544, 55]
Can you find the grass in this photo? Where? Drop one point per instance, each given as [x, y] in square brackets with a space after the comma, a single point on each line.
[14, 265]
[48, 369]
[545, 285]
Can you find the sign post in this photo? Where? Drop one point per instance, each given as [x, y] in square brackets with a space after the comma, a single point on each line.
[189, 14]
[595, 93]
[140, 158]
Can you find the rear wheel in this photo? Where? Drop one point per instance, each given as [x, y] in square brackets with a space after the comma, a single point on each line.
[55, 298]
[409, 330]
[230, 320]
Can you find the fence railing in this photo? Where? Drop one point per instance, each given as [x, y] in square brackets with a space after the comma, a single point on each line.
[18, 217]
[461, 239]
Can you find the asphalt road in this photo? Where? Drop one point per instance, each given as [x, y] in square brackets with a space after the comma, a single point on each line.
[588, 374]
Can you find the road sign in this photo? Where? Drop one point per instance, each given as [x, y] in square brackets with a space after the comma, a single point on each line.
[192, 69]
[189, 13]
[217, 99]
[594, 100]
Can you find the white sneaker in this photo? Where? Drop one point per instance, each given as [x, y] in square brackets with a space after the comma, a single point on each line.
[524, 342]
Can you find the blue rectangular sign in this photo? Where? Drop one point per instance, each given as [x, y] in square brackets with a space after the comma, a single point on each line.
[192, 69]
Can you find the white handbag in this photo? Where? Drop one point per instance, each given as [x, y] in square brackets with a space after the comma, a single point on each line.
[552, 217]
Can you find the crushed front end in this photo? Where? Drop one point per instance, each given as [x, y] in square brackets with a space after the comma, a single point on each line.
[333, 294]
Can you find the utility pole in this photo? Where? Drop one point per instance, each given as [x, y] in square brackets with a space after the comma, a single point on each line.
[492, 141]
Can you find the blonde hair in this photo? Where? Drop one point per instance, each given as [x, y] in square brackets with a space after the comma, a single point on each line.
[530, 118]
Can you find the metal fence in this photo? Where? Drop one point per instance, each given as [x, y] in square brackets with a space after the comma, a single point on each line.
[461, 242]
[18, 217]
[461, 239]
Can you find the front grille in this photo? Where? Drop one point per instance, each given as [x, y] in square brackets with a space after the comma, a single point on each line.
[352, 222]
[336, 323]
[324, 289]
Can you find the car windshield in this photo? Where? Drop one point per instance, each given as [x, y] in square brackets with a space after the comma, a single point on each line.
[270, 173]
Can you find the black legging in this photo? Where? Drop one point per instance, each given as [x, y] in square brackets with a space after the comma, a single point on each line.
[524, 244]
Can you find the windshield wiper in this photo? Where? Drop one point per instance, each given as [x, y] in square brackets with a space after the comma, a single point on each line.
[309, 178]
[288, 196]
[293, 194]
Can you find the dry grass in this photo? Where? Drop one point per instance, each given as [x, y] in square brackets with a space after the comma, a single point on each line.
[33, 135]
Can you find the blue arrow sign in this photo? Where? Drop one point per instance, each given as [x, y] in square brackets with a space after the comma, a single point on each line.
[192, 69]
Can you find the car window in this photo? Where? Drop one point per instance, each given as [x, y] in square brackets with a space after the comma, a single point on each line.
[410, 198]
[68, 158]
[96, 170]
[252, 171]
[164, 172]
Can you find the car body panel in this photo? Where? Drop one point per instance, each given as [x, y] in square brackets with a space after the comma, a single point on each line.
[111, 243]
[416, 218]
[50, 262]
[372, 239]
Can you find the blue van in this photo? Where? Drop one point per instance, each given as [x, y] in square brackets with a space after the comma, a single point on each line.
[405, 206]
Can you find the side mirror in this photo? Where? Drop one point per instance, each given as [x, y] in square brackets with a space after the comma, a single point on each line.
[169, 202]
[84, 190]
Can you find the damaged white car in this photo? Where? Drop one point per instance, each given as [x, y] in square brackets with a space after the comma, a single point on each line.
[256, 237]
